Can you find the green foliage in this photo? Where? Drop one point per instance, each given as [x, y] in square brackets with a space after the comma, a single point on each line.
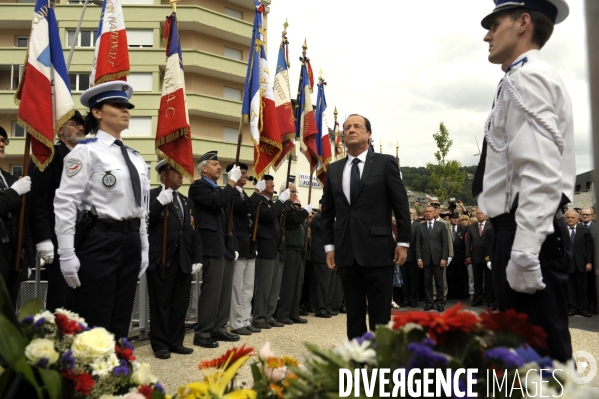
[418, 180]
[446, 176]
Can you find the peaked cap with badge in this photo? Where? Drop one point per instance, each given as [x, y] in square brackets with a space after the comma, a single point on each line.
[556, 10]
[117, 91]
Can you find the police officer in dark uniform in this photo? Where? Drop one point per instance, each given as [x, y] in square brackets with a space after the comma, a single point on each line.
[170, 287]
[40, 209]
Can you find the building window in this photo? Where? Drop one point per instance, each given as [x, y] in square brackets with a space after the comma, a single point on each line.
[141, 81]
[17, 130]
[86, 38]
[230, 134]
[21, 41]
[149, 170]
[139, 126]
[225, 178]
[233, 53]
[233, 13]
[232, 94]
[588, 188]
[79, 81]
[15, 72]
[16, 170]
[140, 37]
[577, 189]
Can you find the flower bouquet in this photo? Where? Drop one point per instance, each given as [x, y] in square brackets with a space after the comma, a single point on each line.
[57, 355]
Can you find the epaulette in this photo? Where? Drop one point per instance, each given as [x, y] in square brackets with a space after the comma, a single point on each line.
[132, 150]
[85, 141]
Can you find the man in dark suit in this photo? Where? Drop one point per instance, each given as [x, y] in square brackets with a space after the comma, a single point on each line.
[432, 251]
[580, 263]
[360, 194]
[324, 277]
[40, 210]
[169, 285]
[476, 253]
[587, 216]
[457, 273]
[409, 270]
[11, 190]
[212, 213]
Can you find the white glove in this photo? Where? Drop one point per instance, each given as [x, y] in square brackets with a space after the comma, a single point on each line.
[449, 258]
[261, 186]
[236, 255]
[22, 186]
[144, 261]
[45, 249]
[235, 173]
[284, 196]
[69, 266]
[165, 197]
[523, 272]
[308, 208]
[195, 268]
[489, 265]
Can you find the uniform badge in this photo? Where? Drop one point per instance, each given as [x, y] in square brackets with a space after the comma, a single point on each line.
[73, 166]
[109, 179]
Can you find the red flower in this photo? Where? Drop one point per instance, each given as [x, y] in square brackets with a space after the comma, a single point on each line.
[438, 324]
[82, 382]
[124, 353]
[510, 321]
[230, 357]
[146, 391]
[67, 326]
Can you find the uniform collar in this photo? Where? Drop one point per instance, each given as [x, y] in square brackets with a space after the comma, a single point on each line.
[105, 138]
[523, 59]
[213, 184]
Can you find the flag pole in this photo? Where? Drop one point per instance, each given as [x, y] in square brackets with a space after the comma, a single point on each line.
[17, 264]
[337, 133]
[78, 30]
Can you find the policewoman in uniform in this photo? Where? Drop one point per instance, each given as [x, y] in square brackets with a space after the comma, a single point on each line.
[105, 180]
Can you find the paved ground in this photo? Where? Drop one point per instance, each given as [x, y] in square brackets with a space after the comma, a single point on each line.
[290, 340]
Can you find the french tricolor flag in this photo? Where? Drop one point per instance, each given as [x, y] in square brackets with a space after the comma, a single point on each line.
[323, 141]
[111, 59]
[305, 123]
[44, 94]
[283, 103]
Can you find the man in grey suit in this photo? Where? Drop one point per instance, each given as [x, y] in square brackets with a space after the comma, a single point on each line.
[432, 251]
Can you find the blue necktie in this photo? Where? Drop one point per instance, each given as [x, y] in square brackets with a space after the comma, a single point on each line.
[430, 228]
[354, 179]
[573, 234]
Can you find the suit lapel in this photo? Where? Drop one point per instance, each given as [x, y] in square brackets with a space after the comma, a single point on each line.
[367, 168]
[339, 178]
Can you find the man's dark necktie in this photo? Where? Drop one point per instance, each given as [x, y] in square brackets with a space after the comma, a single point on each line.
[132, 172]
[573, 235]
[178, 210]
[354, 180]
[430, 228]
[453, 232]
[2, 184]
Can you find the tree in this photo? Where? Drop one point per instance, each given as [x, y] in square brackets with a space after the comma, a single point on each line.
[446, 176]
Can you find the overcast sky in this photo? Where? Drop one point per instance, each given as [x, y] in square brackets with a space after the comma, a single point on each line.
[409, 65]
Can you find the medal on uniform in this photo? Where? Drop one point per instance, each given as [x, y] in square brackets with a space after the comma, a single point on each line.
[109, 179]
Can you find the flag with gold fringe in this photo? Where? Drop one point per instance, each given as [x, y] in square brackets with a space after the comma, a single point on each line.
[323, 141]
[305, 122]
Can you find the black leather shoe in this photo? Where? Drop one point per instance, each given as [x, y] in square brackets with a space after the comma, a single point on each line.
[403, 305]
[493, 307]
[254, 329]
[261, 324]
[225, 336]
[586, 314]
[342, 309]
[303, 312]
[476, 303]
[242, 331]
[299, 320]
[571, 313]
[427, 308]
[162, 354]
[181, 350]
[285, 321]
[275, 323]
[323, 314]
[440, 309]
[332, 313]
[205, 342]
[414, 305]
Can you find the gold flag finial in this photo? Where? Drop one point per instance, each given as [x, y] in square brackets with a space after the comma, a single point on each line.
[320, 77]
[335, 113]
[174, 4]
[285, 25]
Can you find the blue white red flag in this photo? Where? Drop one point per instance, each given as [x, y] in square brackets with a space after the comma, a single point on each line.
[44, 94]
[111, 59]
[323, 141]
[305, 122]
[282, 95]
[173, 136]
[258, 108]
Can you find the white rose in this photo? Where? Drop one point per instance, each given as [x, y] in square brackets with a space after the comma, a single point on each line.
[134, 395]
[143, 375]
[49, 317]
[41, 348]
[266, 352]
[95, 343]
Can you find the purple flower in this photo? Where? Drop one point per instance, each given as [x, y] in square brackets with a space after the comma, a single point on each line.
[67, 361]
[125, 343]
[504, 356]
[368, 336]
[528, 354]
[43, 362]
[83, 327]
[39, 323]
[423, 356]
[28, 319]
[429, 342]
[159, 386]
[121, 370]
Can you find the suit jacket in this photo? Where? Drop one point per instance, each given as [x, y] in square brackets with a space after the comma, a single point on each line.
[317, 254]
[412, 250]
[475, 243]
[269, 228]
[449, 239]
[212, 215]
[582, 249]
[431, 248]
[459, 247]
[182, 240]
[361, 231]
[244, 214]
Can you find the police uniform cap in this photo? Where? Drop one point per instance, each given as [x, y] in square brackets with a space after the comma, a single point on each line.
[160, 165]
[241, 166]
[268, 177]
[209, 156]
[3, 132]
[556, 10]
[117, 91]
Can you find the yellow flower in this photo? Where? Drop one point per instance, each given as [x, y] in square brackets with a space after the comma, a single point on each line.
[215, 384]
[289, 361]
[274, 363]
[277, 390]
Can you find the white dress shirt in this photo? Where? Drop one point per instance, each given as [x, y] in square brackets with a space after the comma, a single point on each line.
[82, 188]
[539, 172]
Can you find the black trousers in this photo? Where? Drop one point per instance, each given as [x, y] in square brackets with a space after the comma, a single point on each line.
[169, 301]
[578, 299]
[59, 293]
[410, 273]
[547, 308]
[323, 276]
[434, 272]
[110, 265]
[361, 283]
[308, 299]
[291, 285]
[335, 295]
[457, 277]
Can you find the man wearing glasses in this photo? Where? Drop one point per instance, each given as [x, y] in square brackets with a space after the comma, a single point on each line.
[40, 208]
[586, 216]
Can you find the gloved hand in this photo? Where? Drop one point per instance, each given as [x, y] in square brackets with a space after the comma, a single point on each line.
[261, 186]
[308, 208]
[69, 266]
[195, 268]
[523, 272]
[236, 255]
[165, 197]
[144, 261]
[449, 258]
[235, 173]
[45, 249]
[22, 186]
[489, 265]
[284, 196]
[239, 189]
